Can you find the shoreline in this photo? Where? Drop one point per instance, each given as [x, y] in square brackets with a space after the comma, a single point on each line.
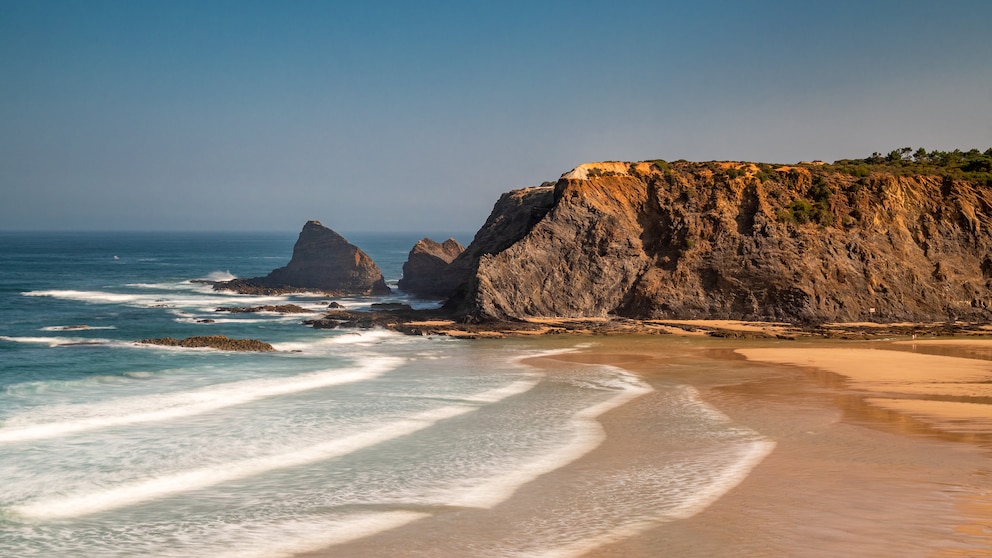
[441, 322]
[845, 476]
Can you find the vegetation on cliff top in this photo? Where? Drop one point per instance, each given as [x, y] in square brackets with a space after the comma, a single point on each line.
[827, 194]
[972, 165]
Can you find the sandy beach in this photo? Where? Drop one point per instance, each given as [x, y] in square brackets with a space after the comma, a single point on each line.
[876, 452]
[853, 473]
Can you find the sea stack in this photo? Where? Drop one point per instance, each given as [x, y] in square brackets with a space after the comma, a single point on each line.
[323, 261]
[426, 272]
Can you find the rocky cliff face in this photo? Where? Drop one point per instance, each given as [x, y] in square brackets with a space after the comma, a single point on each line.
[425, 272]
[322, 261]
[512, 218]
[805, 243]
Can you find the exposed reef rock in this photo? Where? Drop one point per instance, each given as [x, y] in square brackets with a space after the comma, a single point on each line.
[280, 308]
[426, 270]
[323, 261]
[727, 240]
[213, 342]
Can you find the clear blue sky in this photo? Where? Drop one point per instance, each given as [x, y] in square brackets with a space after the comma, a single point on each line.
[415, 116]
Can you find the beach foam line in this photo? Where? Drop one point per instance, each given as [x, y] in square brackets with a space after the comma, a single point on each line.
[75, 328]
[270, 317]
[180, 285]
[752, 455]
[176, 483]
[169, 299]
[133, 410]
[748, 456]
[57, 341]
[220, 276]
[289, 539]
[587, 435]
[332, 343]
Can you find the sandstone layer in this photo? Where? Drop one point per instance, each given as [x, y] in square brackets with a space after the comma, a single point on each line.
[323, 261]
[726, 240]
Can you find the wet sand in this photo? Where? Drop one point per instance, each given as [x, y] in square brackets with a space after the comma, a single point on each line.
[851, 475]
[864, 463]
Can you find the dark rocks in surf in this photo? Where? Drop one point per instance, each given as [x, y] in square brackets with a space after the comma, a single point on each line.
[280, 308]
[220, 342]
[390, 306]
[323, 261]
[426, 273]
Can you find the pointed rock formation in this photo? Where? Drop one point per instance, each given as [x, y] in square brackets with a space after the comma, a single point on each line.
[426, 271]
[322, 261]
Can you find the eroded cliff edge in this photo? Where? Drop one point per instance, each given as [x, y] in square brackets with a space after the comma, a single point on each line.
[725, 240]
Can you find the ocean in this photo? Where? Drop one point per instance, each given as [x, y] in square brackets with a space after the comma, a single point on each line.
[112, 449]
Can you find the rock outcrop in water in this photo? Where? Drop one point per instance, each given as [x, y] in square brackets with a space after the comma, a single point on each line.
[323, 261]
[278, 308]
[807, 243]
[219, 342]
[426, 270]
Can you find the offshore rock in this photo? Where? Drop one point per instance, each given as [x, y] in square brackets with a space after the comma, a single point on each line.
[426, 270]
[323, 261]
[728, 240]
[213, 342]
[279, 308]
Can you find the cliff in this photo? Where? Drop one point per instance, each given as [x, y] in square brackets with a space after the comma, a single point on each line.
[806, 243]
[322, 261]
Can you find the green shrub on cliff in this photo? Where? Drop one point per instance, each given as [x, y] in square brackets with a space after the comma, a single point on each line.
[803, 212]
[972, 165]
[660, 164]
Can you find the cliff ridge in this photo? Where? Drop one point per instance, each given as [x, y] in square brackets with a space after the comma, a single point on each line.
[805, 243]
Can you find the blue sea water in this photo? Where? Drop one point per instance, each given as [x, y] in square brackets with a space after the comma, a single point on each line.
[111, 448]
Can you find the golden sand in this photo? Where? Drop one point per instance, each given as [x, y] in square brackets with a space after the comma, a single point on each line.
[730, 325]
[947, 393]
[952, 416]
[979, 343]
[879, 369]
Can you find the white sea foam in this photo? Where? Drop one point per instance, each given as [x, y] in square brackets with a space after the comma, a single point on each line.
[171, 299]
[270, 318]
[332, 342]
[750, 456]
[550, 352]
[53, 422]
[57, 341]
[75, 328]
[370, 337]
[705, 484]
[161, 286]
[287, 539]
[220, 276]
[587, 435]
[176, 483]
[88, 296]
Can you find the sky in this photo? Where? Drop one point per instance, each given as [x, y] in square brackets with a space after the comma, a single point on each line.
[415, 116]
